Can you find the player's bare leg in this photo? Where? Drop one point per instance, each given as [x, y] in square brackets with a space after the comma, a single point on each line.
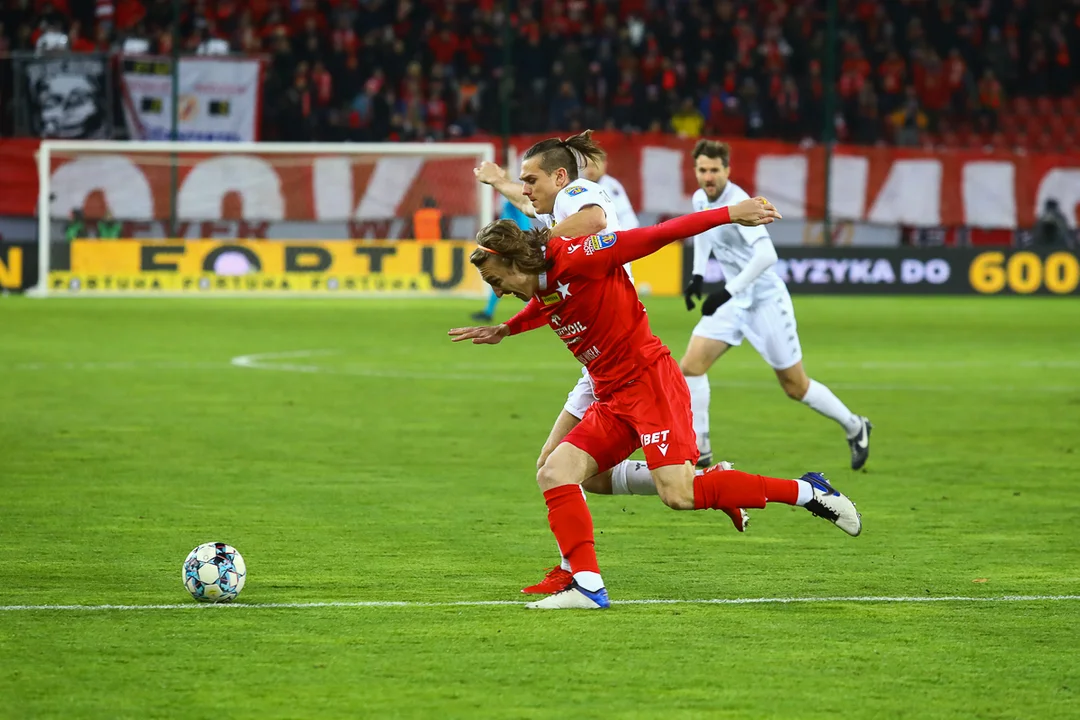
[700, 355]
[715, 489]
[798, 386]
[560, 479]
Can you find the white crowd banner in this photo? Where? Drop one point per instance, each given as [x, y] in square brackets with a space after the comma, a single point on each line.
[220, 99]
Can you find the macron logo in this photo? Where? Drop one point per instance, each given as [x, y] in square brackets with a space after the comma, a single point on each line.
[663, 449]
[572, 248]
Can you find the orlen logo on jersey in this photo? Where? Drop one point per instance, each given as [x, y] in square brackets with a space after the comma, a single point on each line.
[599, 242]
[657, 438]
[565, 331]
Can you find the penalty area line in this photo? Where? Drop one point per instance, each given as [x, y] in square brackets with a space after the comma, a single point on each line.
[510, 603]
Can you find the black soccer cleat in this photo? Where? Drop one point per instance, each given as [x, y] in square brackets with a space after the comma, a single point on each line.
[704, 451]
[860, 445]
[481, 317]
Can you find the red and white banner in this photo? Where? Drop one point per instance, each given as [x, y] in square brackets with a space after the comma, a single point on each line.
[877, 185]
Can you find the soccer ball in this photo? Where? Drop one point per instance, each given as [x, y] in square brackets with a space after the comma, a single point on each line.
[214, 572]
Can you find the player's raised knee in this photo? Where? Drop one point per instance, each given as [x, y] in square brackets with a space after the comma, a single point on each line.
[553, 473]
[675, 485]
[545, 453]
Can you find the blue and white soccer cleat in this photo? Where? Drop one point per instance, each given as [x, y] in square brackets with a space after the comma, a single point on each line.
[574, 597]
[831, 504]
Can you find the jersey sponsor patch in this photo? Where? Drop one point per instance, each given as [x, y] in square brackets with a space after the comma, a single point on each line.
[599, 242]
[552, 298]
[577, 190]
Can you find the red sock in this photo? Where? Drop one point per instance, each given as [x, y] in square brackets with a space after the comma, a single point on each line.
[571, 523]
[720, 489]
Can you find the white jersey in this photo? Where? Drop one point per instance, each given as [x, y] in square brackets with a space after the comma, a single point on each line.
[582, 193]
[732, 246]
[628, 219]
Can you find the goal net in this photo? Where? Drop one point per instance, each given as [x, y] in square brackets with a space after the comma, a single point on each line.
[162, 218]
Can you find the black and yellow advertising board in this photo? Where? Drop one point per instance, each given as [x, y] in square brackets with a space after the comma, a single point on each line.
[406, 267]
[375, 267]
[924, 271]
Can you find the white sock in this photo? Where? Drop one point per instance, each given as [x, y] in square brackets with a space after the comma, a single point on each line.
[821, 398]
[589, 580]
[806, 493]
[699, 403]
[632, 477]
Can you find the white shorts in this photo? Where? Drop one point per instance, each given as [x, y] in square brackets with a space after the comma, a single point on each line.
[581, 397]
[768, 324]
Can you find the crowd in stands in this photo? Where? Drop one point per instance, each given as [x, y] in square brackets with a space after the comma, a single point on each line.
[909, 72]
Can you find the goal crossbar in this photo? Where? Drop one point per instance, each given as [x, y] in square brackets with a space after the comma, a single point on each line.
[49, 149]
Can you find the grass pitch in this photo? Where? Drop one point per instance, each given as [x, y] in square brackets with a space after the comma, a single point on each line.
[352, 454]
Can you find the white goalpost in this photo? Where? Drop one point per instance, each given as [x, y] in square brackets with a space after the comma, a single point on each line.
[195, 218]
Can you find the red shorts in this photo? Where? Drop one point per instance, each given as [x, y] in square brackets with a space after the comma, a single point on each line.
[652, 411]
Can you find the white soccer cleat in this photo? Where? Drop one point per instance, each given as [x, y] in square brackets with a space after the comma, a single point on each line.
[831, 504]
[573, 598]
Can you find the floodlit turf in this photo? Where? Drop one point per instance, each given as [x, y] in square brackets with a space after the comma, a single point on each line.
[352, 453]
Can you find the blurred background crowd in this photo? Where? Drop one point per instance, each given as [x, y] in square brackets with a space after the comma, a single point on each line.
[910, 72]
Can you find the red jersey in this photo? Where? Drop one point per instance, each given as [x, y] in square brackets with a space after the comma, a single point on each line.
[591, 304]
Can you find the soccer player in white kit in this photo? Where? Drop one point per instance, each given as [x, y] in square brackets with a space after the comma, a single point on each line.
[754, 304]
[596, 170]
[552, 191]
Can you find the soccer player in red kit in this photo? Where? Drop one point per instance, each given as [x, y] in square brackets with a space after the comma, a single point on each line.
[577, 286]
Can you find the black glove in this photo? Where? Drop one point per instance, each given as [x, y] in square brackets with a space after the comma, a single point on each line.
[714, 301]
[693, 288]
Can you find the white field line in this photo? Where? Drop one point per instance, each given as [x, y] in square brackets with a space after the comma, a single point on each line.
[267, 361]
[274, 362]
[513, 603]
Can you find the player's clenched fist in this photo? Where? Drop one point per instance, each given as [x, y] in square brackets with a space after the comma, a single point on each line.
[753, 211]
[489, 173]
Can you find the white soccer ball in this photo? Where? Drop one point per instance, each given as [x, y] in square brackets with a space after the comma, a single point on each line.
[214, 572]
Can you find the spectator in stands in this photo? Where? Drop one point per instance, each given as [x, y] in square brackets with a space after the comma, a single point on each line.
[866, 124]
[909, 121]
[687, 122]
[990, 99]
[629, 65]
[1051, 227]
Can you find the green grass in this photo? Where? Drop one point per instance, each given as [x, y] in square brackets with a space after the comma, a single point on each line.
[394, 465]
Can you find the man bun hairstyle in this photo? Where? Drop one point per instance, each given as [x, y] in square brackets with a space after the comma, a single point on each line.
[713, 149]
[504, 242]
[555, 153]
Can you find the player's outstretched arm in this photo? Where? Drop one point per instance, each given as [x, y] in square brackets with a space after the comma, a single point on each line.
[486, 335]
[641, 242]
[491, 174]
[528, 318]
[589, 220]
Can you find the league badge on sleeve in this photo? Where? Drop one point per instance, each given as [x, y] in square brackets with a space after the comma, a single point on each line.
[576, 190]
[599, 242]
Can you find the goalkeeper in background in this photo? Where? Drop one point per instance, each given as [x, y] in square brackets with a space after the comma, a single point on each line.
[509, 212]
